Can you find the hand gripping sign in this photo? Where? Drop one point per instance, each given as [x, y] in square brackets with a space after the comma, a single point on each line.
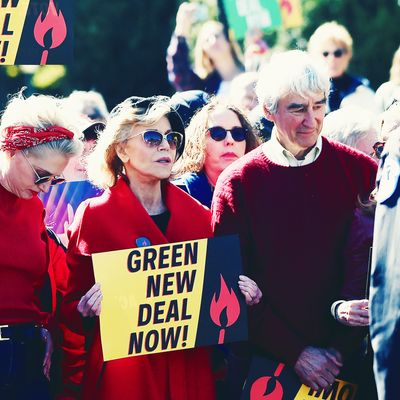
[272, 380]
[170, 297]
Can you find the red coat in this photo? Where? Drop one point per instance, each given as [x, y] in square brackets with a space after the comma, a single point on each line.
[112, 222]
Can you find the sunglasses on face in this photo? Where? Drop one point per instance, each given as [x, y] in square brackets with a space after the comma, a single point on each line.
[218, 133]
[337, 53]
[378, 149]
[53, 179]
[154, 138]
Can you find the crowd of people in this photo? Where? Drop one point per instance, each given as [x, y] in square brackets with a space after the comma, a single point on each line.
[281, 149]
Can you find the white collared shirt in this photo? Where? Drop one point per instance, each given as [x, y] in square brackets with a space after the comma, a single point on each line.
[279, 155]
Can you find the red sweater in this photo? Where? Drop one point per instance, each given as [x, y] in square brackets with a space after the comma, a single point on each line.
[293, 224]
[23, 262]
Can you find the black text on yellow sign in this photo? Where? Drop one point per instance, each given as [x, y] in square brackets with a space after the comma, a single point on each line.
[158, 298]
[177, 282]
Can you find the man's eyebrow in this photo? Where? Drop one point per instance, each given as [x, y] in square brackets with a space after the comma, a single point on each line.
[323, 101]
[293, 106]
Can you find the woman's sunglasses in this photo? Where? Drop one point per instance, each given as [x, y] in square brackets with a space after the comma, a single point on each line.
[378, 149]
[53, 179]
[337, 53]
[154, 138]
[218, 133]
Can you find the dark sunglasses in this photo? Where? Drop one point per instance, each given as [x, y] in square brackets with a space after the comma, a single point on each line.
[53, 179]
[378, 149]
[154, 138]
[337, 53]
[218, 133]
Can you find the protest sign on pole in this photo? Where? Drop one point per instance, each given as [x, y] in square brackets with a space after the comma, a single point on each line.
[36, 32]
[170, 297]
[266, 15]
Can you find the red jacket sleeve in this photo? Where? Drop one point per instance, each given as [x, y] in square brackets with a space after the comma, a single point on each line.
[75, 331]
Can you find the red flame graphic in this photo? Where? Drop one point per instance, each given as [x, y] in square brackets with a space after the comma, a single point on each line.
[54, 21]
[260, 386]
[228, 301]
[288, 5]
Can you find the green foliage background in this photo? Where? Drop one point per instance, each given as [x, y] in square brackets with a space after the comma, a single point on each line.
[120, 46]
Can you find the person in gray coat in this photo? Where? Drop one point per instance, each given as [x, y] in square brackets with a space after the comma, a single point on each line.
[385, 274]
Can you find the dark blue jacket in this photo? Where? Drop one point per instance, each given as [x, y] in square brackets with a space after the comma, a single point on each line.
[197, 185]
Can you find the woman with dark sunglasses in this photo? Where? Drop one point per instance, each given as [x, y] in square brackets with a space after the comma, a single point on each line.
[37, 140]
[217, 135]
[132, 162]
[332, 44]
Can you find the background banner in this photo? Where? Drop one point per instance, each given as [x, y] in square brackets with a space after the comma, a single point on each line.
[36, 32]
[170, 297]
[245, 15]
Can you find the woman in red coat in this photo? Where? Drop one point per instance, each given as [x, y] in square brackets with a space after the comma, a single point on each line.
[132, 162]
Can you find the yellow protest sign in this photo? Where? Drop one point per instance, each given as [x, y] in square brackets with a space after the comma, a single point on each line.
[35, 32]
[153, 297]
[270, 379]
[339, 390]
[12, 19]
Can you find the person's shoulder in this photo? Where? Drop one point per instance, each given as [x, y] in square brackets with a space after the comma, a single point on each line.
[347, 152]
[392, 146]
[186, 179]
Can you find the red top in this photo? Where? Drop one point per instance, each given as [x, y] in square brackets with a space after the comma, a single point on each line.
[23, 259]
[293, 223]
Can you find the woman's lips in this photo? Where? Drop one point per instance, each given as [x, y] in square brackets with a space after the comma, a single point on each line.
[229, 155]
[164, 160]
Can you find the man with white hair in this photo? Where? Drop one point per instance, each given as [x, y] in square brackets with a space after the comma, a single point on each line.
[291, 201]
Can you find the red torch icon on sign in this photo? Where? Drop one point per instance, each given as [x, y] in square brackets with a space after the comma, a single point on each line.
[53, 21]
[227, 303]
[260, 387]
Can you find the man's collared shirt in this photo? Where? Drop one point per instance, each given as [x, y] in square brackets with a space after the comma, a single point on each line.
[279, 155]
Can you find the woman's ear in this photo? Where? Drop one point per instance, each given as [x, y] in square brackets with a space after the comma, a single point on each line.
[121, 153]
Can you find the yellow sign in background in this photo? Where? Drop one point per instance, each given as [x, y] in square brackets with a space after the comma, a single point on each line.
[151, 298]
[12, 19]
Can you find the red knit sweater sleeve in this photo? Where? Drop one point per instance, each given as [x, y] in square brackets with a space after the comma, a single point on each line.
[229, 217]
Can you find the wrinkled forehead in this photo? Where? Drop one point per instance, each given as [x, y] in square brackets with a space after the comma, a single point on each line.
[304, 98]
[331, 45]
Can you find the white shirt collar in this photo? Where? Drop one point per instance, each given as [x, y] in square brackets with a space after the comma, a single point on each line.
[279, 155]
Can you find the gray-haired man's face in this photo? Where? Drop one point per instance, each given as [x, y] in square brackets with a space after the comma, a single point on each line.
[298, 121]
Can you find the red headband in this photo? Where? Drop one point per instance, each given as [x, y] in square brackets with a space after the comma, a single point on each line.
[22, 137]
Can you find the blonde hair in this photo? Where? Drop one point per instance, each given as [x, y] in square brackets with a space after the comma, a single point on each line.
[41, 112]
[203, 64]
[395, 68]
[104, 166]
[331, 31]
[194, 154]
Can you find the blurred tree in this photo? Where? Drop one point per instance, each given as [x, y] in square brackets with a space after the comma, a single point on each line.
[120, 48]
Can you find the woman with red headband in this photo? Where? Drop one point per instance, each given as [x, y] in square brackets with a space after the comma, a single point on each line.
[36, 142]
